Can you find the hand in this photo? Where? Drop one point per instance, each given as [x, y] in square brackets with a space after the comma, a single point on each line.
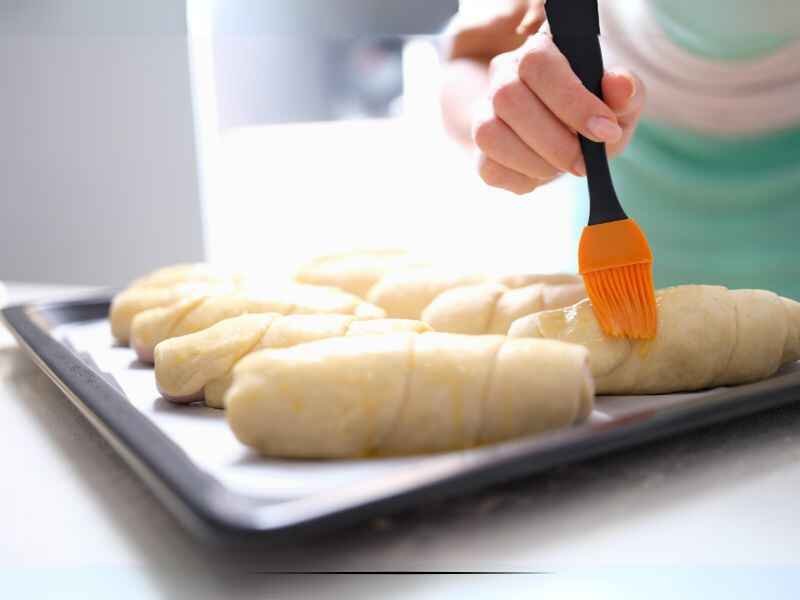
[526, 131]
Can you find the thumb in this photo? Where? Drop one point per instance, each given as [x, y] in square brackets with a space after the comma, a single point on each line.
[623, 92]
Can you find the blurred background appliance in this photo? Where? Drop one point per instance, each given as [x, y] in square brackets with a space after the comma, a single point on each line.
[103, 159]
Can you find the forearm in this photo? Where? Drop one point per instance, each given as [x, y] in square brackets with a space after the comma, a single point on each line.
[466, 81]
[479, 33]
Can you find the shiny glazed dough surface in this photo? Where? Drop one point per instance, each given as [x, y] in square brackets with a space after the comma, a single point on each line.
[707, 336]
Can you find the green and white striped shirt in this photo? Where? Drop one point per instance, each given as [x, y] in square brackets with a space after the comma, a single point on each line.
[713, 173]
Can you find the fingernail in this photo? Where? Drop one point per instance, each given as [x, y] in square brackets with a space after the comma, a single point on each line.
[626, 75]
[579, 168]
[633, 87]
[604, 129]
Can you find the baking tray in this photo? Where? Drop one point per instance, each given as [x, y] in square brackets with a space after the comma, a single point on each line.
[220, 489]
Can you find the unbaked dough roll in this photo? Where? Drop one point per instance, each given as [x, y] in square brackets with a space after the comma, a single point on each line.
[406, 294]
[195, 314]
[299, 329]
[192, 366]
[707, 336]
[167, 286]
[126, 305]
[405, 394]
[791, 350]
[356, 272]
[492, 307]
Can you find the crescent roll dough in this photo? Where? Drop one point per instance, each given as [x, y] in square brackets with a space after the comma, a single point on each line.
[195, 314]
[163, 287]
[707, 336]
[406, 294]
[405, 393]
[492, 307]
[356, 272]
[198, 365]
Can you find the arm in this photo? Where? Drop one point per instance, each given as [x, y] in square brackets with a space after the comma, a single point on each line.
[513, 97]
[475, 42]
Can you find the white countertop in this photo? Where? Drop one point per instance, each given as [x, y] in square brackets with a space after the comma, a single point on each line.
[74, 516]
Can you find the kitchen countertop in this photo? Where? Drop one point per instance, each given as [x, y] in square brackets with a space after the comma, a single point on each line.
[721, 499]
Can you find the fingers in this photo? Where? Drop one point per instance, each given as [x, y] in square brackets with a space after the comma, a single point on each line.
[547, 73]
[497, 140]
[625, 94]
[525, 114]
[527, 131]
[496, 175]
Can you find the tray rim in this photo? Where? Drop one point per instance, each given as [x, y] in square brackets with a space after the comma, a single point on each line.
[205, 506]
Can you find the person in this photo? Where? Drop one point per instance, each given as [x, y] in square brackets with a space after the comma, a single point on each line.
[701, 117]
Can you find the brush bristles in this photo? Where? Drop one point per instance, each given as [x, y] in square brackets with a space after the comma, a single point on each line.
[623, 300]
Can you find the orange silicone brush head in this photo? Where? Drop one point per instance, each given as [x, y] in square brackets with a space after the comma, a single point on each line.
[614, 256]
[616, 263]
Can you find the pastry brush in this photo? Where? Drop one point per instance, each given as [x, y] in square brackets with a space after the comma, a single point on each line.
[614, 257]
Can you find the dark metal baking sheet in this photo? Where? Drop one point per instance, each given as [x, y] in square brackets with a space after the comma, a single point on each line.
[219, 489]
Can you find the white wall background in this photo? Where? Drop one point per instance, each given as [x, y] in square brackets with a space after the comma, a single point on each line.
[97, 161]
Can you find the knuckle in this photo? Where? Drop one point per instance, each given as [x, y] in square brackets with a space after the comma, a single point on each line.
[526, 188]
[485, 133]
[537, 55]
[530, 65]
[508, 97]
[491, 172]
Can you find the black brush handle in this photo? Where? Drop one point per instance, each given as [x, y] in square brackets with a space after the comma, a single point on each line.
[575, 26]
